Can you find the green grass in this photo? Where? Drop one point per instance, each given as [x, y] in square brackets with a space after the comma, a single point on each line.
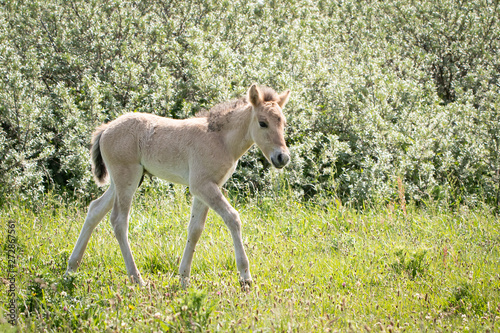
[315, 268]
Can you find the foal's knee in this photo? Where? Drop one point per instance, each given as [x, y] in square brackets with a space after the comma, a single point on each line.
[119, 225]
[120, 232]
[195, 229]
[232, 220]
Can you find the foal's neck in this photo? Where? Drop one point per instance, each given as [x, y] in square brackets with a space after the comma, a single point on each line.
[236, 132]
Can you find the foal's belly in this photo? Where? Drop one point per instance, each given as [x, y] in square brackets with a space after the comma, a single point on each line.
[170, 173]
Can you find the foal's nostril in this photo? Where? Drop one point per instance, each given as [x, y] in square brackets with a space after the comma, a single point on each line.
[284, 159]
[281, 160]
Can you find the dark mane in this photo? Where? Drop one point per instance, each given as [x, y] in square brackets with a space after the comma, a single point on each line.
[217, 115]
[269, 95]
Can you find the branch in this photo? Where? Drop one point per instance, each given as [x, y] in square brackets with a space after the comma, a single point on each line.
[50, 36]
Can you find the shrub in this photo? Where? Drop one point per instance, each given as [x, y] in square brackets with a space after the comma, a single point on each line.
[380, 91]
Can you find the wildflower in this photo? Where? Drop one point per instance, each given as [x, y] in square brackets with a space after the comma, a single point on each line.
[63, 293]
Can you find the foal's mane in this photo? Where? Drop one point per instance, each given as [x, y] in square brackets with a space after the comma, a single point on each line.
[219, 114]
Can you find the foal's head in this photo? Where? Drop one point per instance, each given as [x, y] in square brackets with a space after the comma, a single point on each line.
[268, 123]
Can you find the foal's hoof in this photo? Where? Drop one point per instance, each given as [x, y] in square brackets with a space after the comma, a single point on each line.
[184, 280]
[246, 285]
[69, 274]
[138, 281]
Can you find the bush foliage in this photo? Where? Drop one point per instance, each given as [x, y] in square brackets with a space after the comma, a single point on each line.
[381, 89]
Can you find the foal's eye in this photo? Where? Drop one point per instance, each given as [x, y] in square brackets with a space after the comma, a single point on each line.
[262, 124]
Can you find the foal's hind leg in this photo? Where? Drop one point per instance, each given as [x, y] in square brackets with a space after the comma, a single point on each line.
[125, 188]
[97, 210]
[199, 213]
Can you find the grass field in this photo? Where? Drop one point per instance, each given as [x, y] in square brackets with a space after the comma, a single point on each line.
[316, 268]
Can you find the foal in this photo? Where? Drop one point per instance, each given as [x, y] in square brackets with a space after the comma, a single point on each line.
[200, 152]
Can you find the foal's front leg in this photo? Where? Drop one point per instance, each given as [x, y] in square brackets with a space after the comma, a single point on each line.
[211, 195]
[199, 213]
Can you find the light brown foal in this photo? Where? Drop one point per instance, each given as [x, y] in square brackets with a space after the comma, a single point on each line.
[200, 152]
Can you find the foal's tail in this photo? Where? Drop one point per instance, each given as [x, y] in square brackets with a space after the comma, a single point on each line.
[98, 166]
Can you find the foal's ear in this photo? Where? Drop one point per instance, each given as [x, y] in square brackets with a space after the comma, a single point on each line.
[284, 98]
[254, 95]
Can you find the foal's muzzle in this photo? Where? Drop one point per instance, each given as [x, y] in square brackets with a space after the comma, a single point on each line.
[280, 159]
